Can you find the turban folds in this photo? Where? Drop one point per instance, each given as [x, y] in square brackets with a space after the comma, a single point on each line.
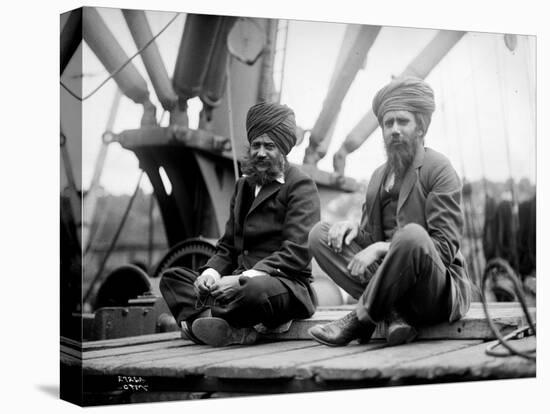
[275, 120]
[405, 94]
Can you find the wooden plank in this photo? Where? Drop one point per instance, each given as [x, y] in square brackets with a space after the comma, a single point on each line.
[473, 305]
[283, 364]
[68, 342]
[136, 349]
[131, 340]
[382, 362]
[74, 353]
[186, 363]
[472, 362]
[473, 326]
[110, 365]
[70, 360]
[119, 342]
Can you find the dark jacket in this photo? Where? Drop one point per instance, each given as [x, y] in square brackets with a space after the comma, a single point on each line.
[272, 236]
[431, 196]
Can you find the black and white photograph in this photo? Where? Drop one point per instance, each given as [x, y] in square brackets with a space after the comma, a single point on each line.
[255, 206]
[275, 207]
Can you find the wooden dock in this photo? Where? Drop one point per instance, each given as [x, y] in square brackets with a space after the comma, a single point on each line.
[165, 366]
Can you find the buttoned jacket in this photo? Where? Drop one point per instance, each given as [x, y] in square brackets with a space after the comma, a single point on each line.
[272, 236]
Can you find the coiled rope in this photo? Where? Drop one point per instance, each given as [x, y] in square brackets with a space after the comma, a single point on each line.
[504, 340]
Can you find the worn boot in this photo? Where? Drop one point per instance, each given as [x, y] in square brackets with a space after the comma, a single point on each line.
[398, 330]
[217, 332]
[187, 332]
[342, 331]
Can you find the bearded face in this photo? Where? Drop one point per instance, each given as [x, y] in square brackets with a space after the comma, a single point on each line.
[264, 162]
[402, 137]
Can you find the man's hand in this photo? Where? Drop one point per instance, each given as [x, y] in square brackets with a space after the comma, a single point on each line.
[362, 260]
[342, 232]
[226, 288]
[204, 283]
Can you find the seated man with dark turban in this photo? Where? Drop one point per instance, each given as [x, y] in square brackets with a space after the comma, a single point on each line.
[259, 277]
[403, 261]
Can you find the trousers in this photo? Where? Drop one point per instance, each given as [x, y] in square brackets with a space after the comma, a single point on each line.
[261, 299]
[410, 280]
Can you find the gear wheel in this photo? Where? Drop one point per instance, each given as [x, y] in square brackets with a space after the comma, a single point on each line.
[122, 284]
[190, 253]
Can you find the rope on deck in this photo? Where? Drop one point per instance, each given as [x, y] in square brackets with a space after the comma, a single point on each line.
[529, 329]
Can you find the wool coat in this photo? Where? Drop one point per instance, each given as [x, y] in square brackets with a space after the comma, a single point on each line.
[272, 234]
[431, 196]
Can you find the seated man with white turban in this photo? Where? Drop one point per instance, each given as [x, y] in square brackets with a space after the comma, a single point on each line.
[403, 261]
[259, 278]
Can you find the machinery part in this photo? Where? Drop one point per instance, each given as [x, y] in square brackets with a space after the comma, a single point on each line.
[141, 32]
[246, 41]
[197, 43]
[267, 90]
[213, 86]
[71, 36]
[356, 44]
[508, 272]
[108, 50]
[190, 253]
[122, 284]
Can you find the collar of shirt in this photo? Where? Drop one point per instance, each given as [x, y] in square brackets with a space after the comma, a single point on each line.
[279, 179]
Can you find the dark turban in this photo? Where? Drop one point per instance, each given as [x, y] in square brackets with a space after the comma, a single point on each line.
[405, 94]
[275, 120]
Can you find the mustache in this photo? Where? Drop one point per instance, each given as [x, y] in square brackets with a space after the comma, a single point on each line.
[261, 161]
[275, 167]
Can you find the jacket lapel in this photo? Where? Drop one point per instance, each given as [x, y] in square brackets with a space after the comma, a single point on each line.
[239, 197]
[410, 178]
[374, 187]
[265, 192]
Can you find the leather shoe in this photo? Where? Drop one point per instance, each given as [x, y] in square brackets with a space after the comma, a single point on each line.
[342, 331]
[188, 334]
[399, 331]
[217, 332]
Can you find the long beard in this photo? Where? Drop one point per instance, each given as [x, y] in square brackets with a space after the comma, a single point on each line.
[401, 156]
[249, 166]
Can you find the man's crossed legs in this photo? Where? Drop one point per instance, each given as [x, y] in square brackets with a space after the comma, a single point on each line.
[408, 286]
[258, 300]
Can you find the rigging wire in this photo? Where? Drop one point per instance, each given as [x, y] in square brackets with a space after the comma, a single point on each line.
[98, 170]
[151, 229]
[114, 240]
[476, 266]
[69, 172]
[74, 95]
[230, 113]
[283, 63]
[479, 141]
[476, 117]
[504, 104]
[97, 230]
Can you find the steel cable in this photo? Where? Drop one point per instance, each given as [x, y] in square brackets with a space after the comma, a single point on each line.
[114, 240]
[504, 341]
